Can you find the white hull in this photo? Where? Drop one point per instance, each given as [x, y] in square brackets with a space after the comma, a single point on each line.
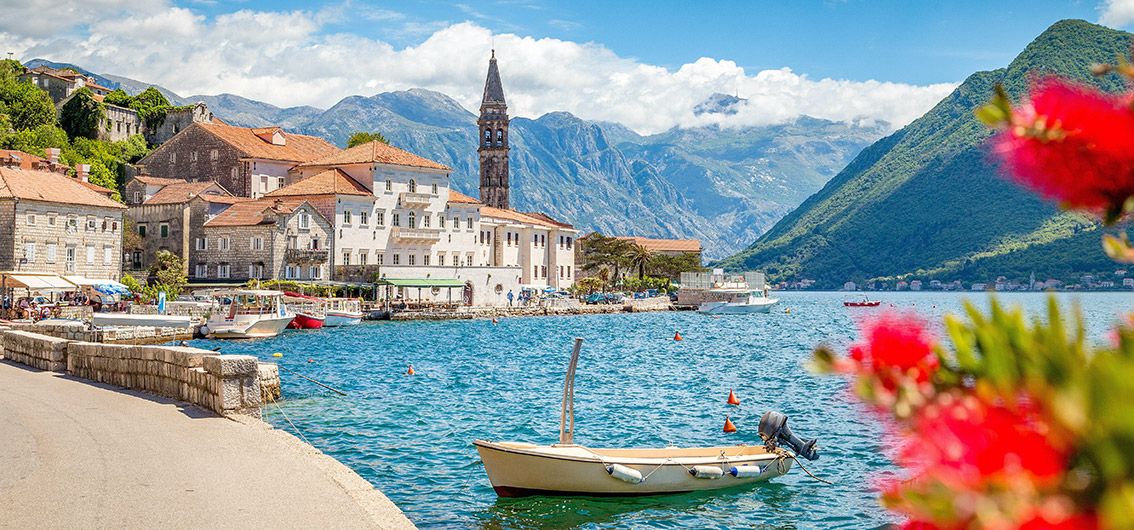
[731, 308]
[341, 318]
[519, 469]
[249, 329]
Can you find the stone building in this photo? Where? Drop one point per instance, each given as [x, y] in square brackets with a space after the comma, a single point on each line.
[171, 219]
[61, 83]
[53, 223]
[249, 162]
[493, 144]
[177, 120]
[140, 188]
[264, 239]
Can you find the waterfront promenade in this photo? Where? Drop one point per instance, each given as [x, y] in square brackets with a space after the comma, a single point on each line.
[78, 454]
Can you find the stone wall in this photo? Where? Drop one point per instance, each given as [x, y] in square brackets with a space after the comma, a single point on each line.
[79, 331]
[56, 229]
[269, 382]
[177, 120]
[226, 384]
[196, 310]
[197, 155]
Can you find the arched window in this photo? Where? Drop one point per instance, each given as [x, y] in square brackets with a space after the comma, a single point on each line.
[413, 186]
[499, 136]
[412, 219]
[487, 136]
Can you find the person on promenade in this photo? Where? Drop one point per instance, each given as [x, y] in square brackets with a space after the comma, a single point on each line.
[510, 297]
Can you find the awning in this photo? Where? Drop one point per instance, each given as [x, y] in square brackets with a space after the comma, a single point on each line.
[81, 280]
[38, 282]
[427, 283]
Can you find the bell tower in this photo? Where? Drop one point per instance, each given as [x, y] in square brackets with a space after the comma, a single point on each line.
[492, 140]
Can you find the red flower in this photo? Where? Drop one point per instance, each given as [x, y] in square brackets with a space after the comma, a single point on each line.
[963, 441]
[1072, 143]
[1077, 521]
[897, 346]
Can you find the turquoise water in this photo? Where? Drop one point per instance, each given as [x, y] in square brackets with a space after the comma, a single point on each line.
[411, 436]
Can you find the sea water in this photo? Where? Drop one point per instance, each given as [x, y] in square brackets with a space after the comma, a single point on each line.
[411, 436]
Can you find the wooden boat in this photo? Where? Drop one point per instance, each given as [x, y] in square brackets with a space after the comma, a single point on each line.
[248, 314]
[519, 469]
[343, 312]
[310, 312]
[862, 303]
[736, 302]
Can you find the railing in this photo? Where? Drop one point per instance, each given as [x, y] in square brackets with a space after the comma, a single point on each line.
[415, 198]
[300, 255]
[416, 234]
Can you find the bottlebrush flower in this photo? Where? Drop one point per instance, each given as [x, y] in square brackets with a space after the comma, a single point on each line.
[897, 347]
[1072, 143]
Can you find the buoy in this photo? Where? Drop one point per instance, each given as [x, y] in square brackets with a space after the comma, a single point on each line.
[277, 354]
[728, 426]
[706, 472]
[494, 321]
[310, 360]
[627, 474]
[732, 399]
[747, 471]
[788, 310]
[410, 371]
[677, 335]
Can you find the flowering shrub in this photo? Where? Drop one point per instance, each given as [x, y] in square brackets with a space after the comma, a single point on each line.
[1012, 424]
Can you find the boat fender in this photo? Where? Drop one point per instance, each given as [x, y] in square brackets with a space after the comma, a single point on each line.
[707, 472]
[745, 471]
[623, 473]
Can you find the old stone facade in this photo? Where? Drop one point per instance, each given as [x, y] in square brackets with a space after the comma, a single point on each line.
[120, 124]
[493, 144]
[61, 238]
[171, 223]
[177, 120]
[265, 239]
[196, 155]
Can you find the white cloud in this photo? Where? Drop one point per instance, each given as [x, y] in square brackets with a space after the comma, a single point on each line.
[1116, 13]
[293, 58]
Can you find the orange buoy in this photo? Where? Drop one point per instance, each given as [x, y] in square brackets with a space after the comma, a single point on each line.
[410, 371]
[728, 426]
[732, 399]
[677, 335]
[494, 321]
[310, 360]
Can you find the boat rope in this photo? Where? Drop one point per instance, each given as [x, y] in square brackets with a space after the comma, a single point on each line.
[289, 422]
[805, 470]
[328, 387]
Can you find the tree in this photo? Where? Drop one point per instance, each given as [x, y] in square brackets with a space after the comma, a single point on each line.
[26, 106]
[10, 68]
[82, 116]
[151, 106]
[600, 252]
[34, 140]
[589, 285]
[360, 137]
[638, 256]
[118, 98]
[666, 266]
[168, 271]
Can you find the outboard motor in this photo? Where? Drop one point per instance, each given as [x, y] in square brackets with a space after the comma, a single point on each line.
[774, 431]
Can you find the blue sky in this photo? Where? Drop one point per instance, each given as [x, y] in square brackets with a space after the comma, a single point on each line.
[643, 64]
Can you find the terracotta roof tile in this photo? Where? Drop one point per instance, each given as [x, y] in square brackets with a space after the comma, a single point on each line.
[329, 182]
[182, 192]
[96, 188]
[665, 245]
[25, 160]
[251, 213]
[512, 215]
[461, 198]
[157, 181]
[297, 147]
[376, 152]
[36, 185]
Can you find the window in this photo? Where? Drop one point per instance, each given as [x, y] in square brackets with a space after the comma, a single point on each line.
[412, 220]
[51, 219]
[397, 258]
[292, 242]
[441, 220]
[264, 182]
[73, 224]
[456, 223]
[379, 259]
[314, 243]
[213, 155]
[568, 271]
[90, 254]
[142, 230]
[193, 156]
[346, 217]
[304, 221]
[544, 267]
[223, 270]
[346, 257]
[113, 225]
[173, 157]
[51, 252]
[107, 255]
[137, 196]
[31, 218]
[380, 217]
[316, 272]
[202, 270]
[435, 189]
[425, 221]
[289, 272]
[568, 243]
[425, 260]
[202, 243]
[252, 271]
[412, 186]
[257, 243]
[163, 230]
[224, 243]
[389, 185]
[397, 220]
[364, 218]
[362, 255]
[468, 222]
[413, 259]
[468, 260]
[508, 238]
[29, 252]
[92, 223]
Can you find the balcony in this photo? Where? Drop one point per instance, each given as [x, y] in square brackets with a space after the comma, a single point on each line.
[428, 235]
[408, 198]
[302, 256]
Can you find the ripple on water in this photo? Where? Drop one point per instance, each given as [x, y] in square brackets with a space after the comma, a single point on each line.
[411, 435]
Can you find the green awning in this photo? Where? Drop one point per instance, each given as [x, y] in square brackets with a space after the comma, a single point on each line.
[428, 283]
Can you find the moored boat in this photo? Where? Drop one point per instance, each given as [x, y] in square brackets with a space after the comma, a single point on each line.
[343, 312]
[519, 469]
[736, 302]
[247, 314]
[310, 312]
[865, 302]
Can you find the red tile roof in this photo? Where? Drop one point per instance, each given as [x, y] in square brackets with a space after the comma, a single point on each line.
[157, 181]
[25, 160]
[376, 152]
[538, 219]
[96, 188]
[252, 213]
[665, 245]
[36, 185]
[297, 147]
[330, 182]
[461, 198]
[183, 192]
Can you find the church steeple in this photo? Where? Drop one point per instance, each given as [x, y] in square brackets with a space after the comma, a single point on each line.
[493, 140]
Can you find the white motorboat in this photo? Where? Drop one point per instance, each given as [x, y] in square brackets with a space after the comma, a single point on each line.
[518, 469]
[343, 312]
[736, 302]
[248, 314]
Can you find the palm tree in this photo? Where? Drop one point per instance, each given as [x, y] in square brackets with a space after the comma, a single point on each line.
[638, 256]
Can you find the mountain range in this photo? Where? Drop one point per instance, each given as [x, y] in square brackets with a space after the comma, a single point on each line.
[927, 202]
[724, 186]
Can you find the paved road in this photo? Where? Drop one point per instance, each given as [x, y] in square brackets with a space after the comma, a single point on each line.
[77, 454]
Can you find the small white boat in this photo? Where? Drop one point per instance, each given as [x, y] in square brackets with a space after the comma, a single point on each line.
[248, 314]
[736, 302]
[343, 312]
[518, 469]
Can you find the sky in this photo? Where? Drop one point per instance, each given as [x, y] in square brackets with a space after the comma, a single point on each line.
[644, 64]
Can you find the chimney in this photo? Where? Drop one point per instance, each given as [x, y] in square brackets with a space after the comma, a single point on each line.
[52, 155]
[83, 172]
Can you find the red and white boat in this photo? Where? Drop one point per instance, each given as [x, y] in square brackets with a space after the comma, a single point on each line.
[343, 312]
[865, 302]
[310, 312]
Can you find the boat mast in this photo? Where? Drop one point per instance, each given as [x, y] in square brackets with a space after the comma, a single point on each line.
[567, 414]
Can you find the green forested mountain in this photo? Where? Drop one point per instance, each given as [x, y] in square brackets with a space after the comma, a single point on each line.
[927, 202]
